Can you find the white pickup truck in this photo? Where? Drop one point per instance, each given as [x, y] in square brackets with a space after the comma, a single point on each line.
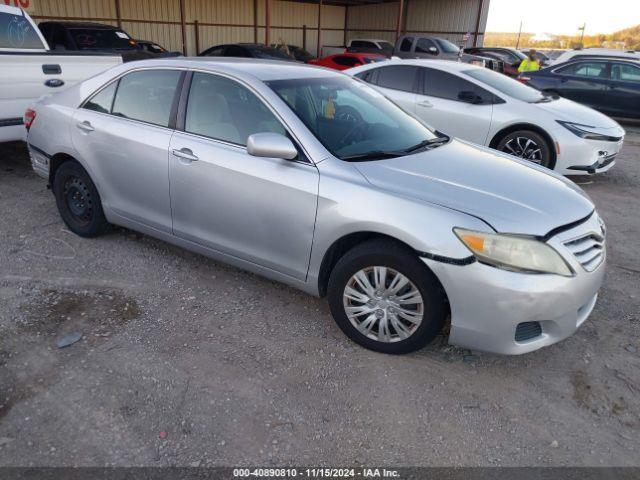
[29, 70]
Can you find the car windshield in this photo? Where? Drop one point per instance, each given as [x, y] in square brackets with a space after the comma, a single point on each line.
[268, 52]
[102, 39]
[386, 46]
[507, 85]
[352, 120]
[446, 46]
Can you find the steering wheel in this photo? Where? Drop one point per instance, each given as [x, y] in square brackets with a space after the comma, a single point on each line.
[350, 115]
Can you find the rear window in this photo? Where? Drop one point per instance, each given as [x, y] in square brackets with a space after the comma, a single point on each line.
[88, 39]
[16, 32]
[147, 96]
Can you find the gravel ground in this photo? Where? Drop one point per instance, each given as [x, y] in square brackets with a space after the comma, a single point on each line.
[185, 361]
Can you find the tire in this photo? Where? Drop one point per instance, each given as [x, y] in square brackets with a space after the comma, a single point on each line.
[528, 145]
[366, 258]
[78, 200]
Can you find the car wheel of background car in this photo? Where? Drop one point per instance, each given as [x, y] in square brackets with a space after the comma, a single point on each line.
[527, 145]
[78, 200]
[385, 299]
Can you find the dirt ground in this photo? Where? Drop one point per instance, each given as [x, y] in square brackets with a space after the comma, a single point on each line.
[184, 361]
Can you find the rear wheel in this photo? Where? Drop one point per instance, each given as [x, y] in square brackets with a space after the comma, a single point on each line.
[78, 200]
[528, 145]
[385, 299]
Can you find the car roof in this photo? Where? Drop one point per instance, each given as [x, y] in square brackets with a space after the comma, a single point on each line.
[603, 58]
[447, 65]
[264, 70]
[94, 25]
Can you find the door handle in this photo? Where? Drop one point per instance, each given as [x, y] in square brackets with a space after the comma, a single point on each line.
[51, 69]
[185, 154]
[85, 126]
[426, 104]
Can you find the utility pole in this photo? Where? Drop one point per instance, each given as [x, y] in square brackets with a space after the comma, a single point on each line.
[583, 27]
[519, 33]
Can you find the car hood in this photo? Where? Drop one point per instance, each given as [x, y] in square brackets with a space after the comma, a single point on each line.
[507, 193]
[563, 109]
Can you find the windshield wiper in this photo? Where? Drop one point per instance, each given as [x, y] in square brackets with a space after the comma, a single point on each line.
[431, 142]
[373, 155]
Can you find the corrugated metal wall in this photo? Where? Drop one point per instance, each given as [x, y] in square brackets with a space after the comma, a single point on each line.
[228, 21]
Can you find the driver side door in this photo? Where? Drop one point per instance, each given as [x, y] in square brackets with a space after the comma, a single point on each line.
[260, 210]
[440, 105]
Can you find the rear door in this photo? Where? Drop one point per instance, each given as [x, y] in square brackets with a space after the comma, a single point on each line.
[123, 133]
[624, 89]
[397, 82]
[439, 104]
[21, 75]
[585, 81]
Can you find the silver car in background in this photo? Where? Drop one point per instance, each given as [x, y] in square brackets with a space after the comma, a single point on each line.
[314, 179]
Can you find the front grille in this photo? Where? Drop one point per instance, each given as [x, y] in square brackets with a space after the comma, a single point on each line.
[588, 250]
[528, 330]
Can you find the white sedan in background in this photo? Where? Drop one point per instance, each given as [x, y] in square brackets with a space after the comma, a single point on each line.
[491, 109]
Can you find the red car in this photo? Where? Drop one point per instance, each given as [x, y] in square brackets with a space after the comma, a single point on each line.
[342, 61]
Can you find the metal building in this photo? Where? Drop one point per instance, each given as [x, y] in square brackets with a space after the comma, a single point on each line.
[193, 25]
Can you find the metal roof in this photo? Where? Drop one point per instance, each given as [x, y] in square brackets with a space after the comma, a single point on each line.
[347, 3]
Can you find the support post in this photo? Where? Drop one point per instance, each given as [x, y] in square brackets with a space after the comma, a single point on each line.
[183, 24]
[399, 22]
[255, 21]
[475, 35]
[195, 26]
[346, 25]
[304, 37]
[319, 50]
[267, 33]
[118, 14]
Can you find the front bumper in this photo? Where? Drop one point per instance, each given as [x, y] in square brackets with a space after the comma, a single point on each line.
[487, 303]
[578, 156]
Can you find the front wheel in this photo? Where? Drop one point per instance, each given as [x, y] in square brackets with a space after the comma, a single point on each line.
[385, 299]
[527, 145]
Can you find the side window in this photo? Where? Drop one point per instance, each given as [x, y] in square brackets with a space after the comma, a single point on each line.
[424, 44]
[585, 69]
[222, 109]
[235, 51]
[398, 77]
[370, 76]
[625, 72]
[102, 101]
[59, 38]
[147, 96]
[406, 44]
[215, 52]
[346, 61]
[362, 44]
[437, 83]
[17, 32]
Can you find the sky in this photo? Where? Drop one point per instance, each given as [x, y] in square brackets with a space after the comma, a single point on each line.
[562, 17]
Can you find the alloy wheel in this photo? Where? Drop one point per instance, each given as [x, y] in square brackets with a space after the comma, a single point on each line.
[525, 148]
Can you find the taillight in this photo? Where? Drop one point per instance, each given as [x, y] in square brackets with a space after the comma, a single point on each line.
[29, 118]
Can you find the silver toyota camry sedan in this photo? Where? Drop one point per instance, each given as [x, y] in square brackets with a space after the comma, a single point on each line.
[312, 178]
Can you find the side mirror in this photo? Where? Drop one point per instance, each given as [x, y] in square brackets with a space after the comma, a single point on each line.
[469, 97]
[271, 145]
[433, 50]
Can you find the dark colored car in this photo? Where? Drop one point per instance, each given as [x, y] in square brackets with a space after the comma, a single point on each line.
[609, 85]
[511, 57]
[344, 61]
[246, 50]
[156, 49]
[417, 46]
[298, 53]
[92, 37]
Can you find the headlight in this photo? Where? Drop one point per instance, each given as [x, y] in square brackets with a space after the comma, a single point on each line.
[520, 254]
[583, 131]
